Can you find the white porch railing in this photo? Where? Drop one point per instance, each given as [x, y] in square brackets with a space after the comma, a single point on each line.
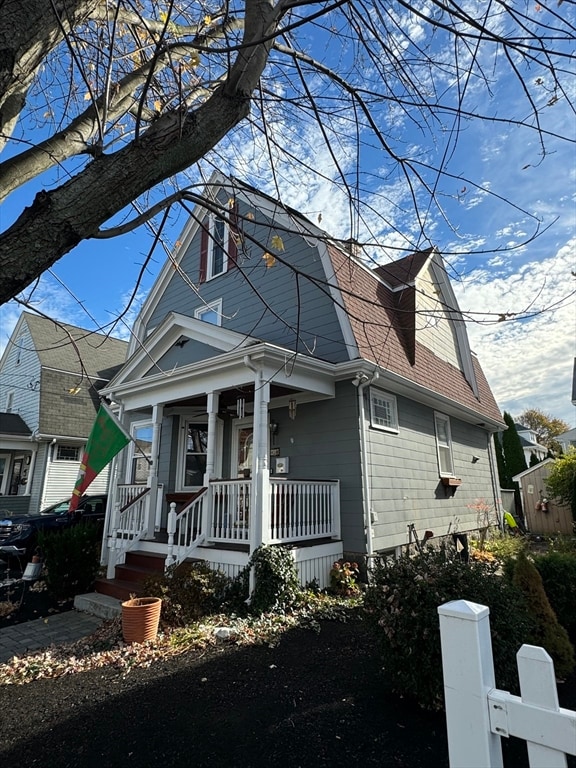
[478, 714]
[230, 504]
[303, 509]
[130, 522]
[300, 510]
[185, 529]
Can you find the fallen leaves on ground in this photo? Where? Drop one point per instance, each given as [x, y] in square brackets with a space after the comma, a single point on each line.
[106, 648]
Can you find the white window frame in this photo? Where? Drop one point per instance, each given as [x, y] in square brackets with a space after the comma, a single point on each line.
[443, 448]
[9, 402]
[181, 462]
[212, 243]
[390, 403]
[133, 451]
[213, 306]
[59, 446]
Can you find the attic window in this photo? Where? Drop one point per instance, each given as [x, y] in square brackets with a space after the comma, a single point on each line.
[210, 313]
[383, 411]
[218, 245]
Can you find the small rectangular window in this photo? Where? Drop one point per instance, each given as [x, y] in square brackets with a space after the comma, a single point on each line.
[210, 313]
[67, 453]
[444, 444]
[9, 402]
[383, 411]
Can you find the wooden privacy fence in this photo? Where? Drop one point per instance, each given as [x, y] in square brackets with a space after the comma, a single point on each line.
[478, 714]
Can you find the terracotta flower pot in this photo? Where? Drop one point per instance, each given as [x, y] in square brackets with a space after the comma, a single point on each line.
[140, 619]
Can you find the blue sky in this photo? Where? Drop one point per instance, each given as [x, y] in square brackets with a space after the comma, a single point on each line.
[528, 358]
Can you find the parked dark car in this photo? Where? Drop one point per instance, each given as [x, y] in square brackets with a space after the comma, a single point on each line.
[20, 532]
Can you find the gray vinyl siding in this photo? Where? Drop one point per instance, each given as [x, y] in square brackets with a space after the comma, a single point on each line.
[192, 352]
[322, 443]
[405, 483]
[22, 378]
[286, 310]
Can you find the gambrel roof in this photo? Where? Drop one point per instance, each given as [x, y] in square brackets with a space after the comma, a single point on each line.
[401, 319]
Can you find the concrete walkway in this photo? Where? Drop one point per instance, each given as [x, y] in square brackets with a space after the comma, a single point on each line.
[59, 628]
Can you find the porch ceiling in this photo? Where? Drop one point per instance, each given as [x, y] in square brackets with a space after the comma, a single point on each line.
[229, 397]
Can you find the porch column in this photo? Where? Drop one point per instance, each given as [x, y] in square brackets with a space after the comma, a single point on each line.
[152, 482]
[260, 507]
[213, 400]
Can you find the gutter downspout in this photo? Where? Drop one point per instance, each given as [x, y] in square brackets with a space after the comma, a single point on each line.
[361, 382]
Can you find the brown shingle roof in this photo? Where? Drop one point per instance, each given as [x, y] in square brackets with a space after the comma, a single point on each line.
[383, 326]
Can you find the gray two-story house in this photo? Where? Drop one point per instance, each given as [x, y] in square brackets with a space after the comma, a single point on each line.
[280, 389]
[50, 377]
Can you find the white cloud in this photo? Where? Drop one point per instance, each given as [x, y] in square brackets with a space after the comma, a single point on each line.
[529, 362]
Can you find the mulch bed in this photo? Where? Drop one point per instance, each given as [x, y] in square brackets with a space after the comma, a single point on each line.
[316, 699]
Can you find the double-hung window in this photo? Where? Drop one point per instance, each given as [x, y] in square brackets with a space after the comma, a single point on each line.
[218, 245]
[444, 445]
[383, 410]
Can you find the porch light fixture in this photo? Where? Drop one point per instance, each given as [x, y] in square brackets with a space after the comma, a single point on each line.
[240, 407]
[292, 408]
[273, 427]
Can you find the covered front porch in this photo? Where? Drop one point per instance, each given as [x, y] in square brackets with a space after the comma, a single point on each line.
[218, 525]
[204, 476]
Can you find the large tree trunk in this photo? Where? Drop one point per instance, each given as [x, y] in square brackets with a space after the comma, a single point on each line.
[59, 219]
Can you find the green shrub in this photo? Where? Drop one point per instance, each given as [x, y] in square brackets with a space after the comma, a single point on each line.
[401, 603]
[188, 592]
[545, 629]
[71, 559]
[276, 586]
[558, 572]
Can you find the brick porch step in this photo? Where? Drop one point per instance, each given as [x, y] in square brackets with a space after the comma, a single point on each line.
[130, 576]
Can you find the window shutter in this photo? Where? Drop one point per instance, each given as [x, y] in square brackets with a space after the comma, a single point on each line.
[205, 234]
[233, 237]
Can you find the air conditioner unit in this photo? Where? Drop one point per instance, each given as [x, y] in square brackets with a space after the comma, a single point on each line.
[282, 465]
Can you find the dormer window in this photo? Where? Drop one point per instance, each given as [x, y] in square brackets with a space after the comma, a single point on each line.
[218, 245]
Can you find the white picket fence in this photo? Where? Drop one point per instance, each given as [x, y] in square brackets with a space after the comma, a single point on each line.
[478, 714]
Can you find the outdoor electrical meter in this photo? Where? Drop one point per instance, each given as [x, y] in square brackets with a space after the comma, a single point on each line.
[282, 465]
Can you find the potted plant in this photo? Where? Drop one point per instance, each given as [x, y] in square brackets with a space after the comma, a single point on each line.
[140, 618]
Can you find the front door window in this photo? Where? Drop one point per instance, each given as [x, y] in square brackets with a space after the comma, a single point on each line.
[245, 446]
[195, 456]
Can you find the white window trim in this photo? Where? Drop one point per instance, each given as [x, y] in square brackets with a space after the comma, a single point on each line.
[380, 393]
[213, 306]
[79, 450]
[184, 421]
[446, 419]
[133, 451]
[210, 274]
[9, 402]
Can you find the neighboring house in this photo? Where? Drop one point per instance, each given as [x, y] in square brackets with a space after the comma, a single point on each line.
[50, 375]
[285, 392]
[567, 439]
[544, 516]
[530, 444]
